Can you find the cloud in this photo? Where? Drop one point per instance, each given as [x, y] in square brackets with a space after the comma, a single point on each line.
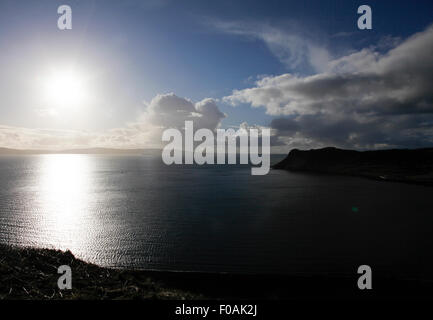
[171, 111]
[28, 138]
[365, 99]
[294, 46]
[164, 111]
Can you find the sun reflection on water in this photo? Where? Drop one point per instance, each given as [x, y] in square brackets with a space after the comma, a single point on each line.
[65, 185]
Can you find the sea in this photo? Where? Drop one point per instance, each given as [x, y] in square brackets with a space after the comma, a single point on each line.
[135, 212]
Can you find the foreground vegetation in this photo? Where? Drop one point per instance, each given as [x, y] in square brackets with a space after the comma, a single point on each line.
[28, 273]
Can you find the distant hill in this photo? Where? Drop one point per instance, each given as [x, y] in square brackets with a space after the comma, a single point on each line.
[404, 165]
[6, 151]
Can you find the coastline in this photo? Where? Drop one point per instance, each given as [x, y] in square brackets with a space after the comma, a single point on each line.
[395, 165]
[30, 273]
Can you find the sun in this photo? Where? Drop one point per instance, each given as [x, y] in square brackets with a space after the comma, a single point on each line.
[64, 88]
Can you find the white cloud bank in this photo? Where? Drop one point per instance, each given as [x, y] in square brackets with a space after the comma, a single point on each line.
[164, 111]
[362, 100]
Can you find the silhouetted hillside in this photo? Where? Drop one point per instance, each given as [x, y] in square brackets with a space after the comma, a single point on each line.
[30, 273]
[415, 166]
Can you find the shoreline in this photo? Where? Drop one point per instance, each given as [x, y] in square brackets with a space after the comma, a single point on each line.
[363, 176]
[31, 274]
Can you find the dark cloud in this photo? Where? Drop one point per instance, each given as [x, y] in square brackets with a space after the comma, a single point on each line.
[363, 100]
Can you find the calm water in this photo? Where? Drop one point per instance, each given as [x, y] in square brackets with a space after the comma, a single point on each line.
[133, 211]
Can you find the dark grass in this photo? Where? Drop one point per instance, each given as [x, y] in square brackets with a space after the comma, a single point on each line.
[28, 273]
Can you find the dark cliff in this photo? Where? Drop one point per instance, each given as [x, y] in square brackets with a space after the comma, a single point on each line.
[403, 165]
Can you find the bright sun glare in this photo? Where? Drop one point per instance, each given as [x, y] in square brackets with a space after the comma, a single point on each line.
[64, 89]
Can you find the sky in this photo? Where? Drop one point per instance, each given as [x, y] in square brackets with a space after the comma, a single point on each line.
[129, 69]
